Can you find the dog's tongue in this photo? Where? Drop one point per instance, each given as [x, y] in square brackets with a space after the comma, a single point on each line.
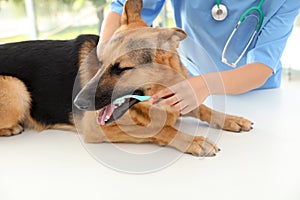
[105, 113]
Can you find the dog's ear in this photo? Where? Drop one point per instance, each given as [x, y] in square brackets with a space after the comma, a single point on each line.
[171, 37]
[132, 13]
[178, 34]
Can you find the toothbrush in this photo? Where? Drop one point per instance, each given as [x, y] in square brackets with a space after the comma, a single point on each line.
[138, 97]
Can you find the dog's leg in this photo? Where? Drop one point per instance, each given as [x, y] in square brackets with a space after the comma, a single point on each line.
[133, 128]
[221, 120]
[14, 104]
[168, 136]
[196, 145]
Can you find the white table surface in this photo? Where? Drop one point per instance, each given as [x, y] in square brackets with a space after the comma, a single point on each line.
[262, 164]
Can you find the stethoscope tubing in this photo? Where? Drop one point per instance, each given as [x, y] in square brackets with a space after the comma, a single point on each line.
[260, 12]
[242, 18]
[234, 64]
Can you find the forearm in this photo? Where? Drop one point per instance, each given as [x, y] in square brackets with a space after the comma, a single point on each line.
[239, 80]
[110, 24]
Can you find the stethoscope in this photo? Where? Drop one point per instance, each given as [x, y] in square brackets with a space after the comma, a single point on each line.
[219, 13]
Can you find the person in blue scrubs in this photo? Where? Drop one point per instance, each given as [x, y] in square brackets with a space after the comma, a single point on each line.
[258, 68]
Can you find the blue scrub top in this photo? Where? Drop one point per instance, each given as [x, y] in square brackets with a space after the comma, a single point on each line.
[207, 37]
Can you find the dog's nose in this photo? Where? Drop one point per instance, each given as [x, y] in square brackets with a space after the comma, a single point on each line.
[81, 104]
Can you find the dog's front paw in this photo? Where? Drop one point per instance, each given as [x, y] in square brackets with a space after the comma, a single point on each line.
[236, 124]
[201, 146]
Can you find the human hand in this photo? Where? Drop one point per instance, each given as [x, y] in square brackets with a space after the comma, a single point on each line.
[184, 96]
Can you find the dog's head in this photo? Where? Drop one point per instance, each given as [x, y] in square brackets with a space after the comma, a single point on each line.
[136, 60]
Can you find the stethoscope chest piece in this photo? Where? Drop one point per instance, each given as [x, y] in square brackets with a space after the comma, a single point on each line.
[219, 12]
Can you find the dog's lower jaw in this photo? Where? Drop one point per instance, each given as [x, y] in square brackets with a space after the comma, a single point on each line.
[92, 132]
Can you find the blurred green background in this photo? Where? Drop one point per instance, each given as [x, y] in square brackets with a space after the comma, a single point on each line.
[57, 19]
[49, 19]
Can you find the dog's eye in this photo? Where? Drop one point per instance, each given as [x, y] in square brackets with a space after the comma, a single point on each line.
[117, 70]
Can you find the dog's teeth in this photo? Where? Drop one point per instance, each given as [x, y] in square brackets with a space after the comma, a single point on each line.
[107, 118]
[117, 105]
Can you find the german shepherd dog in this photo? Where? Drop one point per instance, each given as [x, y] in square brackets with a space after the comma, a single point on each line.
[37, 90]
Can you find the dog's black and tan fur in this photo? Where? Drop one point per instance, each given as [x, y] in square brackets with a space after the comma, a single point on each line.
[37, 86]
[36, 82]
